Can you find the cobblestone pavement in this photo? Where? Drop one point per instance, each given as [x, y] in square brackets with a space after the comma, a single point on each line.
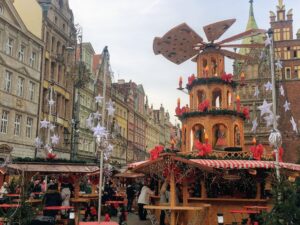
[133, 219]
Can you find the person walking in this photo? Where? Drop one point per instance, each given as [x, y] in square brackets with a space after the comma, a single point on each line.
[164, 199]
[144, 200]
[130, 192]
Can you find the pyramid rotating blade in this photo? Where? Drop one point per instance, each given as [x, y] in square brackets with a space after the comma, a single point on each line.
[178, 44]
[215, 30]
[233, 55]
[243, 45]
[248, 33]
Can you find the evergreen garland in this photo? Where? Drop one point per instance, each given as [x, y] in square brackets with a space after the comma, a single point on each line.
[213, 112]
[210, 80]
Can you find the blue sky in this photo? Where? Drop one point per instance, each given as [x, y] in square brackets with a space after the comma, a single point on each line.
[128, 28]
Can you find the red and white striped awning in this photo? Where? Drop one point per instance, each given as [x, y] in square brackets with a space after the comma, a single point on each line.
[244, 164]
[234, 164]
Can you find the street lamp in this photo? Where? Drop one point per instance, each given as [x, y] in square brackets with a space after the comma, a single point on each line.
[275, 138]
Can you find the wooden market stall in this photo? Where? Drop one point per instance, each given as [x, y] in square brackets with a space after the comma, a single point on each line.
[214, 173]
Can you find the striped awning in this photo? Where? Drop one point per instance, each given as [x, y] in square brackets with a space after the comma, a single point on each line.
[233, 164]
[244, 164]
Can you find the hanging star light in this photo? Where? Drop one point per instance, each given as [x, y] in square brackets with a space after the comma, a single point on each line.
[281, 89]
[89, 121]
[111, 110]
[294, 124]
[98, 99]
[52, 127]
[97, 115]
[256, 91]
[270, 119]
[54, 139]
[265, 108]
[278, 64]
[44, 123]
[99, 131]
[38, 142]
[267, 41]
[286, 106]
[262, 55]
[254, 125]
[51, 102]
[268, 86]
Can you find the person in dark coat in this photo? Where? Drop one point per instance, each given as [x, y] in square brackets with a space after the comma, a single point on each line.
[130, 192]
[52, 198]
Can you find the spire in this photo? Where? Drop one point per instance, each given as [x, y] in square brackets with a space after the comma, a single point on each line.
[280, 6]
[251, 25]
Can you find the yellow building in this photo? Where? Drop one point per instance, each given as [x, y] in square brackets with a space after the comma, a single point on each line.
[31, 18]
[120, 125]
[152, 129]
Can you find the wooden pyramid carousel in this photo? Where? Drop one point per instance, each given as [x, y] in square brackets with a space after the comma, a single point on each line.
[214, 115]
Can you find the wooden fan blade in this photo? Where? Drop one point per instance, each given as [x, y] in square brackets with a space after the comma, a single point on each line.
[233, 55]
[248, 33]
[215, 30]
[177, 45]
[243, 45]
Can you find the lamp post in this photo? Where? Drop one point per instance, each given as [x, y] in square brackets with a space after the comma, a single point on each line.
[275, 138]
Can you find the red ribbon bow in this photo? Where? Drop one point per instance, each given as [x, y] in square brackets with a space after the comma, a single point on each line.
[191, 79]
[257, 151]
[154, 153]
[204, 149]
[246, 113]
[203, 106]
[227, 77]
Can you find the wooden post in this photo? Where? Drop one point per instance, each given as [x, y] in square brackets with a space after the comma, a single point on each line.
[172, 198]
[185, 193]
[258, 190]
[76, 188]
[203, 189]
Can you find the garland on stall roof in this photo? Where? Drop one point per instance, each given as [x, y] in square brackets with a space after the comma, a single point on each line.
[210, 80]
[213, 112]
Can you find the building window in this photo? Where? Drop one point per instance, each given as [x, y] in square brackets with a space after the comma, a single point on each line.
[8, 76]
[286, 34]
[20, 88]
[55, 20]
[297, 72]
[280, 16]
[32, 59]
[21, 53]
[31, 90]
[287, 53]
[1, 10]
[17, 130]
[277, 34]
[9, 46]
[29, 125]
[4, 122]
[287, 73]
[278, 53]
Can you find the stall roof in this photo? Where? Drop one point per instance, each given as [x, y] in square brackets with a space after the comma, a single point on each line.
[227, 164]
[53, 168]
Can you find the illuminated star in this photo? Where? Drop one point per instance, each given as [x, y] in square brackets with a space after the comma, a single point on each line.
[294, 125]
[267, 41]
[111, 110]
[268, 86]
[270, 119]
[256, 91]
[286, 106]
[281, 89]
[97, 115]
[254, 125]
[278, 64]
[98, 99]
[51, 102]
[265, 108]
[52, 126]
[99, 131]
[89, 121]
[44, 123]
[54, 139]
[38, 142]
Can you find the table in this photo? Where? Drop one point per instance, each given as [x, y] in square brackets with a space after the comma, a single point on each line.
[9, 205]
[115, 203]
[256, 207]
[13, 195]
[59, 207]
[33, 201]
[242, 211]
[179, 208]
[77, 202]
[96, 223]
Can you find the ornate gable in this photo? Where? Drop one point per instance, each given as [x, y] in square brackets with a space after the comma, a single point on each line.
[11, 15]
